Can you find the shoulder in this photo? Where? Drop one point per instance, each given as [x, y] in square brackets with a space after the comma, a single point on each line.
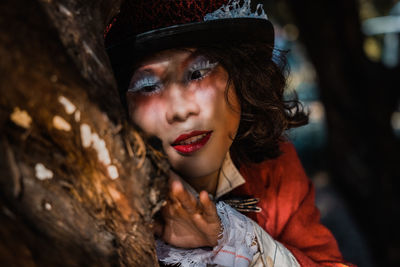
[281, 185]
[289, 213]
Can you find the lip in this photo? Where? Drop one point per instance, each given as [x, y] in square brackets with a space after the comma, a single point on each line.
[190, 148]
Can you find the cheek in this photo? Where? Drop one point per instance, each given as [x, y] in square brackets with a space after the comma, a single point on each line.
[210, 95]
[206, 98]
[145, 113]
[214, 105]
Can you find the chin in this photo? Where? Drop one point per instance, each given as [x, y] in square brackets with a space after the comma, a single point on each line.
[192, 167]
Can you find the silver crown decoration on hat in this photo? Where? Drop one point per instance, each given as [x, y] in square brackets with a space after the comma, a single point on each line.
[233, 9]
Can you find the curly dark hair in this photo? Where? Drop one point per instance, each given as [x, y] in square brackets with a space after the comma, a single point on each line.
[258, 73]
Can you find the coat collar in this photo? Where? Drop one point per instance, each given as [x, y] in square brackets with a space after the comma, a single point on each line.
[229, 177]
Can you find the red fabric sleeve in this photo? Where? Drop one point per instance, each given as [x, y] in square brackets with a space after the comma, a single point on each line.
[289, 213]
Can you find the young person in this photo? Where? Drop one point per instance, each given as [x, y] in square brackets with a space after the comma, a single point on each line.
[203, 77]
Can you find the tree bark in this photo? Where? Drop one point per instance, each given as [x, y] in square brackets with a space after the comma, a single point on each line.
[78, 184]
[359, 97]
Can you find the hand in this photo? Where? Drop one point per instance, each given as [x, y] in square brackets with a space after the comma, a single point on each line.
[188, 222]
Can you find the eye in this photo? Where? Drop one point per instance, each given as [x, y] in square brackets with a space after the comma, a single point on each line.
[149, 90]
[148, 85]
[200, 68]
[199, 74]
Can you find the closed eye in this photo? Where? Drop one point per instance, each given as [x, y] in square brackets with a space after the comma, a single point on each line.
[147, 85]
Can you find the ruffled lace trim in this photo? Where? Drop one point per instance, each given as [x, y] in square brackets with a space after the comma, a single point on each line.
[236, 246]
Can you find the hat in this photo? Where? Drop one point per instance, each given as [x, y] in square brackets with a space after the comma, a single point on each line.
[145, 26]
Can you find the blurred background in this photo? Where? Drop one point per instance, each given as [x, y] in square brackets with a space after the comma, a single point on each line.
[344, 61]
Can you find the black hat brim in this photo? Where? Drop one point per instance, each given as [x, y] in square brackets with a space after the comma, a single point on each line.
[234, 30]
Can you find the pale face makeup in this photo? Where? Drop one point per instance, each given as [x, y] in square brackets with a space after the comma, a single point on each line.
[179, 97]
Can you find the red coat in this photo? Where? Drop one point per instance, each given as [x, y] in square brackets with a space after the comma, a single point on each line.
[288, 213]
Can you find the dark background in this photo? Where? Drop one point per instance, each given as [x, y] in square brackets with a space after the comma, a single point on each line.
[344, 66]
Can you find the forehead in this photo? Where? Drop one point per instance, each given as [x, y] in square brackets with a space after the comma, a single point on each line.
[180, 55]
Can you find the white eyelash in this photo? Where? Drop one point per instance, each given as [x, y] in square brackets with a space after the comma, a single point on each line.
[202, 65]
[144, 82]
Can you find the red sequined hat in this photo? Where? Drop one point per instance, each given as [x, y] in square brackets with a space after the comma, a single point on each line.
[145, 26]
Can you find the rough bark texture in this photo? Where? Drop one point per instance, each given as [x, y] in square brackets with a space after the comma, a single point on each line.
[78, 185]
[359, 97]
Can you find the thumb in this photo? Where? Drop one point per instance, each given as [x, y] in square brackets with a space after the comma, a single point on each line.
[157, 227]
[173, 176]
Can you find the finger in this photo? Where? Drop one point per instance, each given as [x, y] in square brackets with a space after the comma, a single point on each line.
[186, 199]
[173, 179]
[208, 206]
[173, 176]
[170, 210]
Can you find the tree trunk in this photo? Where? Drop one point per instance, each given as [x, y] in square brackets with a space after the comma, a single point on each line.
[359, 97]
[78, 185]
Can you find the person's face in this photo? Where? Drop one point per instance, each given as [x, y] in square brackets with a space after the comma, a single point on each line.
[179, 97]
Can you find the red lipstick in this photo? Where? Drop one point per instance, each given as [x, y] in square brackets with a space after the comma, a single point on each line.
[191, 142]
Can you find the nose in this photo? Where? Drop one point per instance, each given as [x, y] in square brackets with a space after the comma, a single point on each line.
[181, 103]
